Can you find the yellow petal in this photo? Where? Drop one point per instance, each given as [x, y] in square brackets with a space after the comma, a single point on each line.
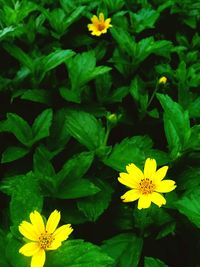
[101, 17]
[128, 180]
[158, 199]
[165, 186]
[38, 259]
[135, 171]
[37, 221]
[160, 174]
[149, 168]
[53, 221]
[28, 231]
[107, 22]
[29, 249]
[144, 202]
[62, 232]
[130, 196]
[94, 19]
[54, 245]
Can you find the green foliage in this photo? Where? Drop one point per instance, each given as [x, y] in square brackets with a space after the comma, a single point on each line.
[125, 249]
[76, 108]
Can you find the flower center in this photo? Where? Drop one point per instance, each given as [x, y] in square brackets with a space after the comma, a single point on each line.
[146, 186]
[45, 240]
[101, 26]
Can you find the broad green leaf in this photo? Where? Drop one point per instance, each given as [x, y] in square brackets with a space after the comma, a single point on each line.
[26, 195]
[85, 128]
[194, 108]
[152, 262]
[20, 128]
[189, 179]
[94, 206]
[44, 170]
[59, 135]
[125, 249]
[77, 253]
[189, 205]
[55, 59]
[13, 153]
[41, 125]
[144, 19]
[76, 189]
[75, 168]
[15, 259]
[118, 94]
[36, 95]
[178, 117]
[6, 32]
[166, 230]
[20, 55]
[130, 150]
[3, 260]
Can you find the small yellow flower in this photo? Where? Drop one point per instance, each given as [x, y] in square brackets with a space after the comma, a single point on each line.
[41, 237]
[162, 80]
[99, 25]
[146, 185]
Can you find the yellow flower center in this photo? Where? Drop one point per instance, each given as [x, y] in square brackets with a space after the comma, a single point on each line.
[45, 240]
[146, 186]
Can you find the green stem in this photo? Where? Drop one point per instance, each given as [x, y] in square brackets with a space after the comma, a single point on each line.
[152, 96]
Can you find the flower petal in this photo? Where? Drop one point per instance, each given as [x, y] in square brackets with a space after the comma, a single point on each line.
[158, 199]
[165, 186]
[38, 259]
[29, 249]
[94, 19]
[28, 231]
[130, 196]
[62, 232]
[160, 173]
[101, 17]
[135, 171]
[54, 245]
[37, 221]
[144, 202]
[149, 168]
[128, 180]
[53, 221]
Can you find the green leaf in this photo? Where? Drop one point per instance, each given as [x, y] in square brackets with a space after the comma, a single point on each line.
[42, 124]
[13, 153]
[189, 205]
[15, 259]
[94, 206]
[194, 108]
[130, 150]
[152, 262]
[3, 260]
[75, 168]
[25, 194]
[178, 117]
[125, 249]
[55, 59]
[36, 95]
[76, 189]
[189, 179]
[20, 55]
[77, 253]
[144, 19]
[118, 94]
[85, 128]
[166, 230]
[20, 128]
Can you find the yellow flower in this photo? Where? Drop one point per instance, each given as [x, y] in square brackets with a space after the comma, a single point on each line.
[146, 186]
[162, 80]
[99, 25]
[41, 237]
